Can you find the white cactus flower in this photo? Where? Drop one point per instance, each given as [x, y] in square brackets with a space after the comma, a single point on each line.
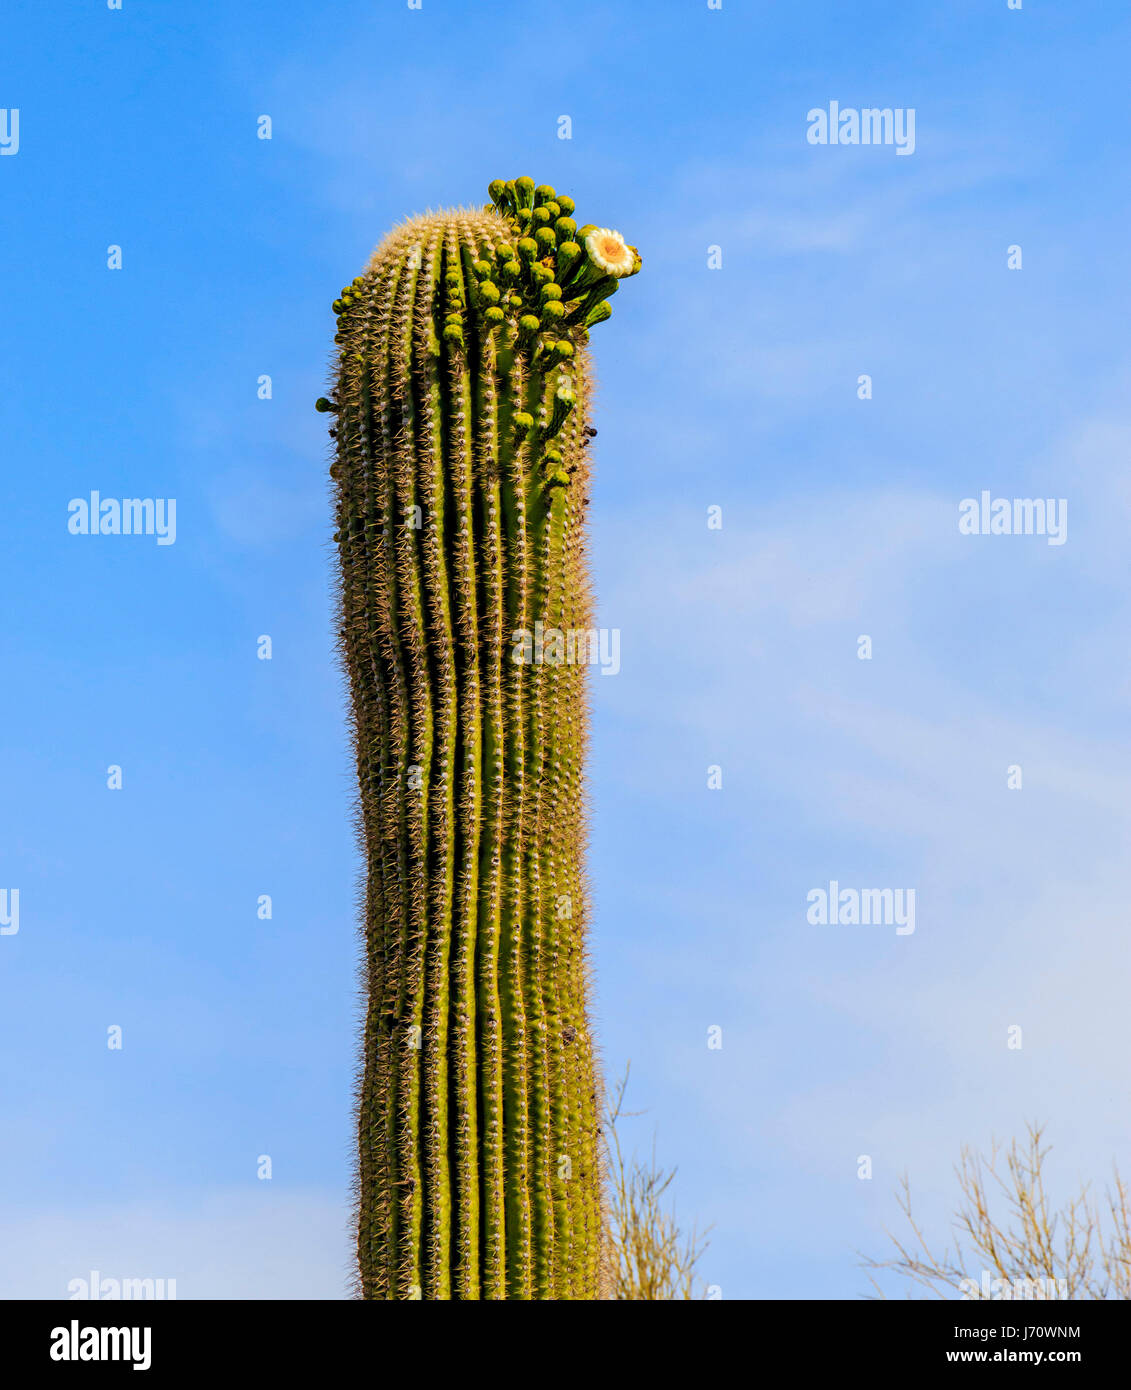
[608, 251]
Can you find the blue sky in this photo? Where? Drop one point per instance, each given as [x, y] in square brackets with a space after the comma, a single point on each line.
[734, 387]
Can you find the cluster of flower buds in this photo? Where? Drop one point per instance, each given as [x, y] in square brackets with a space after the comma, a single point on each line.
[539, 277]
[558, 277]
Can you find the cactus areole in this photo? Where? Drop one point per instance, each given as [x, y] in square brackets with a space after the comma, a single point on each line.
[460, 398]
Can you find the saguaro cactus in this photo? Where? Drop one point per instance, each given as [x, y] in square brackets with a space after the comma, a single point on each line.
[460, 400]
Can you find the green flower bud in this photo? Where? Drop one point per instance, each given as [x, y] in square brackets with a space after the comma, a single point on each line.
[599, 313]
[562, 350]
[488, 293]
[543, 193]
[557, 479]
[546, 239]
[552, 312]
[550, 291]
[527, 249]
[603, 288]
[453, 333]
[565, 227]
[497, 190]
[494, 316]
[323, 405]
[554, 210]
[522, 422]
[569, 256]
[566, 204]
[564, 401]
[510, 272]
[483, 270]
[337, 306]
[524, 191]
[542, 216]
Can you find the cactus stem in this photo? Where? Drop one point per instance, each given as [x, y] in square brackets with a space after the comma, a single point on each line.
[459, 530]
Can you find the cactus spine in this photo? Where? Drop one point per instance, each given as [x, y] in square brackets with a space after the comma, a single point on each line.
[460, 399]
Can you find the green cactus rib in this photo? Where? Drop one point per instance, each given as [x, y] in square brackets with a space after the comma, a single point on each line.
[460, 404]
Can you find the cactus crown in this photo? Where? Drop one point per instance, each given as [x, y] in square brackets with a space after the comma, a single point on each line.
[550, 282]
